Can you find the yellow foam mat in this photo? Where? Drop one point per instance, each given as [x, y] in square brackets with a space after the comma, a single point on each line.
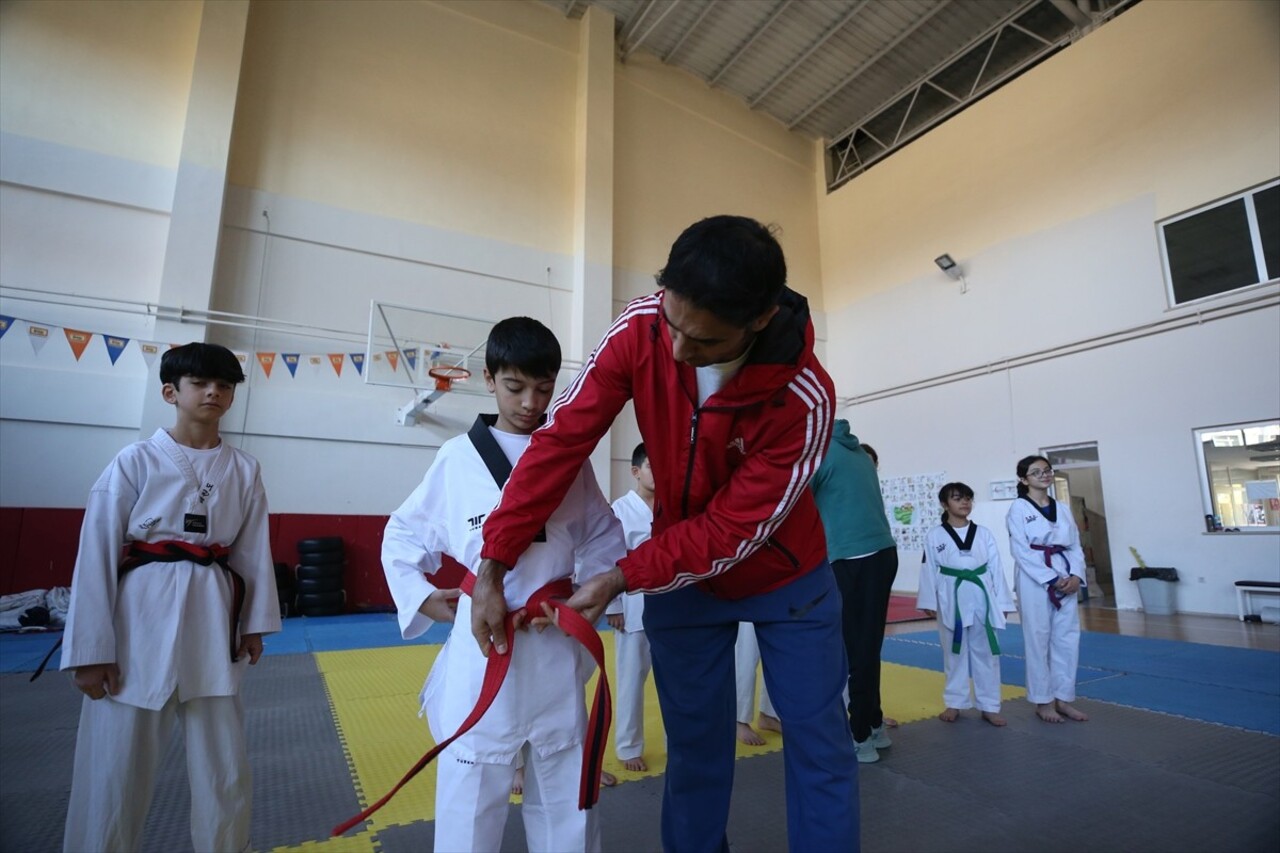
[374, 698]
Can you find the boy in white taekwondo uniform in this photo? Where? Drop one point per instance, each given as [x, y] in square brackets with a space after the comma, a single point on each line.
[626, 616]
[962, 583]
[539, 709]
[166, 629]
[1045, 545]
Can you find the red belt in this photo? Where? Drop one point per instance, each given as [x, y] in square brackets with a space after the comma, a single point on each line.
[496, 665]
[141, 553]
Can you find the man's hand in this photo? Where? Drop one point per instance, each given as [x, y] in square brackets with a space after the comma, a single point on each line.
[594, 596]
[617, 621]
[489, 608]
[251, 645]
[97, 680]
[441, 605]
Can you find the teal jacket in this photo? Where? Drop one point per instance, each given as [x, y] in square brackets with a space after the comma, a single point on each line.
[847, 490]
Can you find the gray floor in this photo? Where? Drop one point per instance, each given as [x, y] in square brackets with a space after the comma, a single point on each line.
[1130, 780]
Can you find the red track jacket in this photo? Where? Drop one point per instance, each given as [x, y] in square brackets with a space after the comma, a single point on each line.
[733, 509]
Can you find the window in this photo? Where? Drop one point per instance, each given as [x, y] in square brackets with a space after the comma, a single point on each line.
[1230, 244]
[1240, 476]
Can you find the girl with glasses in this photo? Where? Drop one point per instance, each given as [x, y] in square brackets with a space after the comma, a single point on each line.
[1049, 561]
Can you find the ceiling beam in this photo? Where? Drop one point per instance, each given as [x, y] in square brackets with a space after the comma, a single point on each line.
[872, 60]
[1072, 12]
[760, 30]
[790, 69]
[706, 10]
[631, 48]
[632, 25]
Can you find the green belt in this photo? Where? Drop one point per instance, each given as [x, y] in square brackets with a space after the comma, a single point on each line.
[971, 575]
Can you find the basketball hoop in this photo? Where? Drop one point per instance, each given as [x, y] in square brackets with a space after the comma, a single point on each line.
[445, 376]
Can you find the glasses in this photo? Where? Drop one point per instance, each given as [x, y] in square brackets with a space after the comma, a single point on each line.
[1040, 472]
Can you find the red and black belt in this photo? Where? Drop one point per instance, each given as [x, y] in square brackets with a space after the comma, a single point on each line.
[496, 666]
[1055, 596]
[139, 553]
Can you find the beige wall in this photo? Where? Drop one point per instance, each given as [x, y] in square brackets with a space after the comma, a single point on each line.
[1174, 99]
[107, 77]
[455, 115]
[684, 152]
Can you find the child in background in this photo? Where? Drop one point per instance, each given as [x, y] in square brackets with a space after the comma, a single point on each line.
[539, 711]
[163, 632]
[746, 657]
[1046, 549]
[962, 584]
[626, 617]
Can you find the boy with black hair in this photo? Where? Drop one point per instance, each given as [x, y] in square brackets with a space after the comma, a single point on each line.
[735, 411]
[538, 711]
[174, 587]
[626, 617]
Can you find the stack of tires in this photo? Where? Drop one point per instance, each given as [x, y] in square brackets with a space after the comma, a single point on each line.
[319, 587]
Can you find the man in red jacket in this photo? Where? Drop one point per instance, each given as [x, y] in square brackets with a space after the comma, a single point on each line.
[736, 414]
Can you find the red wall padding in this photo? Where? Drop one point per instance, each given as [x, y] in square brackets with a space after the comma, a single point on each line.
[38, 550]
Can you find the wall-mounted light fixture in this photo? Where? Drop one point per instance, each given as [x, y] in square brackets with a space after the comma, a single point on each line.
[948, 265]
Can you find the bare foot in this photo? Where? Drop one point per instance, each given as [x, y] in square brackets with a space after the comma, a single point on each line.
[948, 716]
[636, 765]
[994, 719]
[517, 784]
[607, 779]
[768, 723]
[890, 722]
[1048, 714]
[748, 735]
[1071, 713]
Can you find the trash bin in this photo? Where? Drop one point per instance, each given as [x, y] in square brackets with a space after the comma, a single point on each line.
[1157, 588]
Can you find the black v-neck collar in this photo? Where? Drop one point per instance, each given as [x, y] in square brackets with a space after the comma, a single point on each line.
[967, 544]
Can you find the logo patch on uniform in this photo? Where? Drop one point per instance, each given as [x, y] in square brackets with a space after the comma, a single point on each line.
[940, 548]
[150, 522]
[738, 444]
[205, 492]
[192, 523]
[1029, 519]
[475, 521]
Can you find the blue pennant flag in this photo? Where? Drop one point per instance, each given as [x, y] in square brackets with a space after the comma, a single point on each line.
[291, 361]
[5, 323]
[115, 346]
[357, 358]
[411, 356]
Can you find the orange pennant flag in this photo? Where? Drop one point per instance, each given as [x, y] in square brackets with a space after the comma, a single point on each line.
[78, 340]
[394, 358]
[267, 360]
[336, 359]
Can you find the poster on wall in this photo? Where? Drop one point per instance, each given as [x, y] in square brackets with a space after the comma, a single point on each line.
[911, 503]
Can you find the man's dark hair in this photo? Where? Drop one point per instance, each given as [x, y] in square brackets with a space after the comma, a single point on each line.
[523, 344]
[638, 455]
[871, 451]
[205, 361]
[731, 266]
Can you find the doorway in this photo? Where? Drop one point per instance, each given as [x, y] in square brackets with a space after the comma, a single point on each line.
[1077, 482]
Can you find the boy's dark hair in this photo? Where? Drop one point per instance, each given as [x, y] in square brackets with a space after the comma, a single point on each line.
[871, 451]
[731, 266]
[206, 361]
[952, 490]
[638, 455]
[523, 344]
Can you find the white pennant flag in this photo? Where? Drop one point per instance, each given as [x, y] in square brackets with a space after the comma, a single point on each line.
[38, 335]
[150, 349]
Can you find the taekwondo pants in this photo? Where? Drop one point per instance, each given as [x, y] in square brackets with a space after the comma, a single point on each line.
[865, 586]
[472, 799]
[118, 750]
[633, 669]
[746, 659]
[1052, 640]
[692, 636]
[975, 661]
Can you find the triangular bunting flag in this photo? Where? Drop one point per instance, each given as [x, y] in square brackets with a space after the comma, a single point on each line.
[242, 357]
[315, 361]
[150, 349]
[377, 356]
[411, 356]
[39, 336]
[291, 362]
[78, 340]
[393, 358]
[5, 323]
[115, 346]
[267, 360]
[357, 358]
[336, 358]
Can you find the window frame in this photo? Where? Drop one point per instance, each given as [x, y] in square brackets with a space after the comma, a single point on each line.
[1255, 240]
[1206, 479]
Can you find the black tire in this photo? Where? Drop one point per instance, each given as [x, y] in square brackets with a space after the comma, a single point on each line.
[309, 602]
[322, 558]
[317, 585]
[322, 611]
[323, 570]
[323, 543]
